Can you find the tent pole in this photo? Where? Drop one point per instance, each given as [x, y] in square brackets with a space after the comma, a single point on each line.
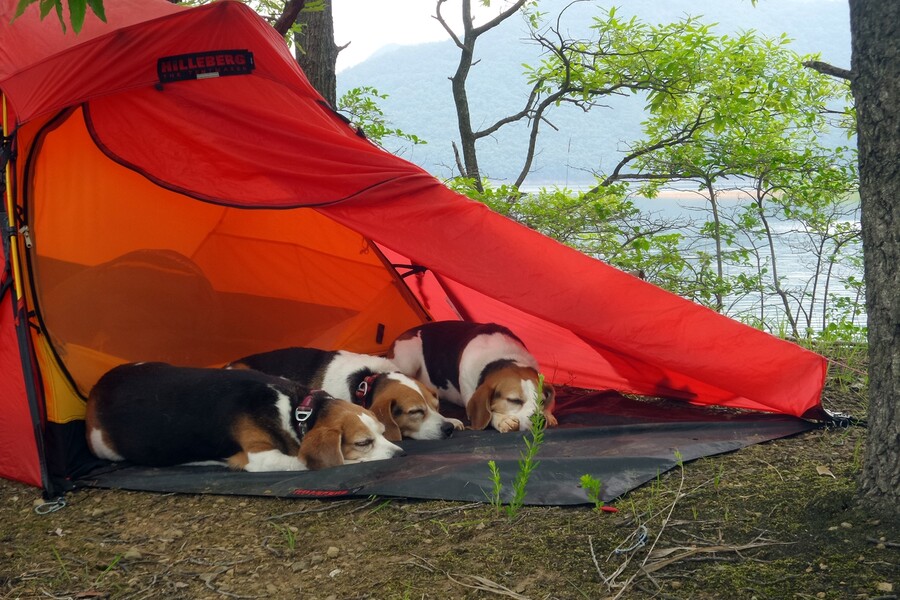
[50, 487]
[10, 215]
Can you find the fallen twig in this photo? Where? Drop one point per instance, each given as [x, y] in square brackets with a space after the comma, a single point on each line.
[318, 509]
[422, 563]
[689, 552]
[597, 565]
[486, 585]
[481, 583]
[773, 467]
[886, 544]
[421, 515]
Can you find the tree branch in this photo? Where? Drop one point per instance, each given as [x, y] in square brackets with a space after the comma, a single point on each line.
[680, 138]
[288, 16]
[459, 165]
[512, 118]
[443, 22]
[828, 69]
[499, 18]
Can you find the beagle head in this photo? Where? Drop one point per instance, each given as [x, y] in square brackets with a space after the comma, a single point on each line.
[409, 409]
[506, 398]
[344, 433]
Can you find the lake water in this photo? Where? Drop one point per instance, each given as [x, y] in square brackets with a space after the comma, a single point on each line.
[796, 262]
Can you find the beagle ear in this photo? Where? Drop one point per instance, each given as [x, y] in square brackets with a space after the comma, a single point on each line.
[321, 448]
[549, 404]
[549, 395]
[478, 408]
[384, 412]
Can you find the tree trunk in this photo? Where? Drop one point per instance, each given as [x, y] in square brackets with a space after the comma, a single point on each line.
[875, 31]
[461, 98]
[717, 235]
[464, 119]
[316, 51]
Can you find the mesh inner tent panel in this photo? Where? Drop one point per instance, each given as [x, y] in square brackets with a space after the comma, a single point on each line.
[126, 270]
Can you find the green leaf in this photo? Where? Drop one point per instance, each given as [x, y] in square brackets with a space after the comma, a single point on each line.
[48, 5]
[98, 9]
[23, 4]
[77, 8]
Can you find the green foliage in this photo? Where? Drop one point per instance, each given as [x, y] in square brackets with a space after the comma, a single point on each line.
[77, 10]
[756, 131]
[288, 535]
[603, 223]
[108, 568]
[360, 105]
[62, 565]
[736, 115]
[496, 487]
[592, 487]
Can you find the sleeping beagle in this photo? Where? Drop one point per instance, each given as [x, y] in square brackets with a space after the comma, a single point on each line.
[159, 415]
[482, 367]
[407, 408]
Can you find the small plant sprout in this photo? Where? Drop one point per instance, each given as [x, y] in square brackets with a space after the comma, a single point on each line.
[496, 502]
[287, 533]
[591, 487]
[108, 568]
[717, 480]
[527, 462]
[61, 563]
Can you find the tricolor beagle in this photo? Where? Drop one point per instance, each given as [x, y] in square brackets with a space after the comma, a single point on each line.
[482, 367]
[159, 415]
[407, 408]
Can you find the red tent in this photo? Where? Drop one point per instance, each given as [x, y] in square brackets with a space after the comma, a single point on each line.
[178, 191]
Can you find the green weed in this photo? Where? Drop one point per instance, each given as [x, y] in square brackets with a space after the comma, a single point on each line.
[61, 564]
[527, 462]
[108, 568]
[290, 539]
[592, 487]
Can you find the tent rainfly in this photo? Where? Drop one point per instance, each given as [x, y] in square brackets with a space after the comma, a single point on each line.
[176, 190]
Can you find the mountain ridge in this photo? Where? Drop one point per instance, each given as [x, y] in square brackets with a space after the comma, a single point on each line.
[416, 80]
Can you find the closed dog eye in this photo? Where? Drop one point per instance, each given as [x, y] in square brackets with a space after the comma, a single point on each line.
[511, 400]
[364, 443]
[413, 412]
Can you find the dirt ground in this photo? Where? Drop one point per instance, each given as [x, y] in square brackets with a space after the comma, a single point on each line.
[776, 520]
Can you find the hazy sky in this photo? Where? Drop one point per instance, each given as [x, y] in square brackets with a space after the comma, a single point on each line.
[369, 25]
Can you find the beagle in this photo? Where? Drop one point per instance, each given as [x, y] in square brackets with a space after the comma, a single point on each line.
[157, 414]
[483, 367]
[406, 407]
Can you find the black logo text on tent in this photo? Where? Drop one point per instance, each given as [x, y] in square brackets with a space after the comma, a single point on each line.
[201, 65]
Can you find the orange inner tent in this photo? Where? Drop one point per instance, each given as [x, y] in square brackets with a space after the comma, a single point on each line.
[200, 283]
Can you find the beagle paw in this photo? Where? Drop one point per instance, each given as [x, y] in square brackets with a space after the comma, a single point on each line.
[457, 424]
[507, 423]
[551, 420]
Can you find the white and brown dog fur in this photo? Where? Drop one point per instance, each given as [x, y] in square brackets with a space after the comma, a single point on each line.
[483, 367]
[406, 407]
[157, 414]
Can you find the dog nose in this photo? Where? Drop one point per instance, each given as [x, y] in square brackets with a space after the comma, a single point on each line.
[447, 429]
